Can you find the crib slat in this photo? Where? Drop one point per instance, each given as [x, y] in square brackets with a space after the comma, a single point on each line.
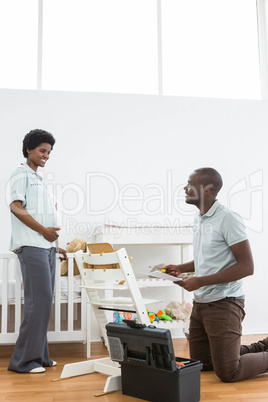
[4, 295]
[83, 309]
[57, 299]
[70, 292]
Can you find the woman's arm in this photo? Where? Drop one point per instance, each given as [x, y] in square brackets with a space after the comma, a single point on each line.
[50, 234]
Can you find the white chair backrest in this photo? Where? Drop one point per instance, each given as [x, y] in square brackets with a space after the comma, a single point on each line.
[104, 274]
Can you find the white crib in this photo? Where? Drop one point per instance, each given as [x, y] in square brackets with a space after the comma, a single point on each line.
[68, 322]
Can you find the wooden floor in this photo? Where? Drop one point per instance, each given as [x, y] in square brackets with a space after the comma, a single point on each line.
[41, 387]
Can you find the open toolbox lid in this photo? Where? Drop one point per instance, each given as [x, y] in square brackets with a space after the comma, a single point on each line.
[132, 343]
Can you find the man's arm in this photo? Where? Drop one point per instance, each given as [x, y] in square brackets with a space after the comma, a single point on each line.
[50, 234]
[243, 267]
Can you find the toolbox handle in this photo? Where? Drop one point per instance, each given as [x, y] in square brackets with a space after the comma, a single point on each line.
[134, 324]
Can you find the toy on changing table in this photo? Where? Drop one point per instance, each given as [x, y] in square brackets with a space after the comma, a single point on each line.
[179, 311]
[152, 316]
[119, 316]
[163, 316]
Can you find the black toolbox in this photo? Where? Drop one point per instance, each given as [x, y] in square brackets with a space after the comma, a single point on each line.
[149, 368]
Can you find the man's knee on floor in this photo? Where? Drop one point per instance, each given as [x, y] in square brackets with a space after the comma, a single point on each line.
[226, 375]
[207, 367]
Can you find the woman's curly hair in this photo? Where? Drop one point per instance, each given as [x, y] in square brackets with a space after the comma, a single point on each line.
[34, 138]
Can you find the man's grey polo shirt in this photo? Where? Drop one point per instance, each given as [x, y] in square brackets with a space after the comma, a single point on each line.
[27, 186]
[214, 233]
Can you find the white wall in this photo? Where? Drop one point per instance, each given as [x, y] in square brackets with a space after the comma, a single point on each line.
[110, 146]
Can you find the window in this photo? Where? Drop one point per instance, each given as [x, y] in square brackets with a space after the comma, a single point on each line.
[18, 43]
[104, 46]
[207, 48]
[210, 48]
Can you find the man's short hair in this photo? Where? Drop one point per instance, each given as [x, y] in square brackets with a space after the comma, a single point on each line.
[210, 177]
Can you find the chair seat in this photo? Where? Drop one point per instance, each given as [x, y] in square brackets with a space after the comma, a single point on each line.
[105, 286]
[120, 302]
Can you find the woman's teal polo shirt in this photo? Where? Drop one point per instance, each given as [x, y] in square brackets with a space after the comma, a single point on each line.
[27, 186]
